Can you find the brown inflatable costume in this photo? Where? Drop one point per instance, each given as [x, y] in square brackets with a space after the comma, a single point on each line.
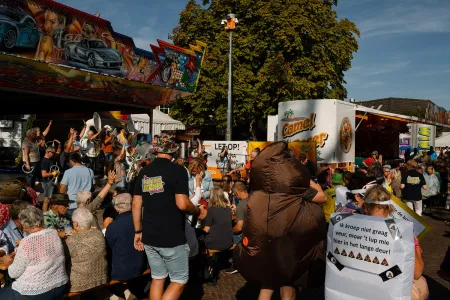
[284, 232]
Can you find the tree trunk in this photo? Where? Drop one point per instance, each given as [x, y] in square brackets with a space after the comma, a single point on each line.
[252, 129]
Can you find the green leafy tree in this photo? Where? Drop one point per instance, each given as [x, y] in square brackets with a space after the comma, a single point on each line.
[282, 51]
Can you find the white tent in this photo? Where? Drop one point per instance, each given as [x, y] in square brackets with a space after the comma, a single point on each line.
[161, 122]
[443, 140]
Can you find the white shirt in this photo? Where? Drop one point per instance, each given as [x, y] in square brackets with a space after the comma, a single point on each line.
[88, 146]
[39, 265]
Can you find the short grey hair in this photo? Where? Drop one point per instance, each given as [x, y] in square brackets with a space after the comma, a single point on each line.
[31, 217]
[83, 197]
[123, 202]
[83, 217]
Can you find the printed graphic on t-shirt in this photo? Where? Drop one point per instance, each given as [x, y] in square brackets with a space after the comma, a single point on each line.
[413, 180]
[152, 185]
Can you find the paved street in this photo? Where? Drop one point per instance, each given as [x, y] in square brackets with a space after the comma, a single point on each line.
[235, 287]
[434, 248]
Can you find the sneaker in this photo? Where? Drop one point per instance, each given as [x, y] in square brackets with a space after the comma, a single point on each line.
[231, 270]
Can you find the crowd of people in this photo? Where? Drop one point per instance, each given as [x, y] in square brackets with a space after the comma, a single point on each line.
[78, 239]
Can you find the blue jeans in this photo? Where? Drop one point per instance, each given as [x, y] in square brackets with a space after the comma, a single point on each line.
[48, 188]
[35, 175]
[237, 238]
[108, 156]
[172, 262]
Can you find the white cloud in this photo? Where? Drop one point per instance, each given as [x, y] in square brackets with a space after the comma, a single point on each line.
[372, 84]
[378, 69]
[404, 17]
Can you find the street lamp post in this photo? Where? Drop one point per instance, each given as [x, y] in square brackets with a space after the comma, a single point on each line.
[230, 25]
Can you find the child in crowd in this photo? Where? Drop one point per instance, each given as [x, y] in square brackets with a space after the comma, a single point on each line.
[377, 203]
[329, 207]
[218, 222]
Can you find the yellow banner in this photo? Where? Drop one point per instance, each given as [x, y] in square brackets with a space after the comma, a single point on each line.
[309, 148]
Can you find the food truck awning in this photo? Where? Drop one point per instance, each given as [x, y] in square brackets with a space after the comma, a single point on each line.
[388, 115]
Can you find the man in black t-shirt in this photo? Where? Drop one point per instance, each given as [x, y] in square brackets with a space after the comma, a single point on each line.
[412, 184]
[162, 189]
[47, 174]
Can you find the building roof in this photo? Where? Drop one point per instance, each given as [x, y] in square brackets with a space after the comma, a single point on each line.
[397, 105]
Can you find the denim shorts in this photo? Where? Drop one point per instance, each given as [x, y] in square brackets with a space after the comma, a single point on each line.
[48, 188]
[108, 156]
[172, 262]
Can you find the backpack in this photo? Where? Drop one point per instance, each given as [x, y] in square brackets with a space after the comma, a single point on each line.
[13, 189]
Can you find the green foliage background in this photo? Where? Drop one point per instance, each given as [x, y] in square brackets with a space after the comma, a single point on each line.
[282, 50]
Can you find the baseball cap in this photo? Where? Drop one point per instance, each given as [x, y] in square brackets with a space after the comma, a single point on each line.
[337, 178]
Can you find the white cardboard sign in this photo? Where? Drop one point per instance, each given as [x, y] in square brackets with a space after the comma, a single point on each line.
[388, 277]
[367, 247]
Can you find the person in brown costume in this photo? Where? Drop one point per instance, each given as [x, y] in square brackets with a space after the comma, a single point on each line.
[285, 229]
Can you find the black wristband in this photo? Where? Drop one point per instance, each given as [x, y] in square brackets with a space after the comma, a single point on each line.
[139, 231]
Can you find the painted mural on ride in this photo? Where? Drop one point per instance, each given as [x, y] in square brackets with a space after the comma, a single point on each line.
[48, 31]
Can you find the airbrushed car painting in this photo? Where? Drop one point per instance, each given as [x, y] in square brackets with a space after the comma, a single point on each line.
[93, 53]
[18, 30]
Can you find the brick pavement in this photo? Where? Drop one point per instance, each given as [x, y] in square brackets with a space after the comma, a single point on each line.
[235, 287]
[434, 248]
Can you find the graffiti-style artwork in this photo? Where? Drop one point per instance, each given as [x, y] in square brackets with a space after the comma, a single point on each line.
[177, 67]
[47, 31]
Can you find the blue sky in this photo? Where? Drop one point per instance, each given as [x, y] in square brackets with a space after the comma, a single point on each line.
[403, 50]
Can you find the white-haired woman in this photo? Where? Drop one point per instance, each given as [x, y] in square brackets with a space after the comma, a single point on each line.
[84, 199]
[127, 263]
[87, 248]
[39, 265]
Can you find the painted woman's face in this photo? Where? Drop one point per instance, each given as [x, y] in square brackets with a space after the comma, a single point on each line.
[51, 22]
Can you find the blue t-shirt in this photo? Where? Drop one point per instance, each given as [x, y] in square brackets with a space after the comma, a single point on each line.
[77, 178]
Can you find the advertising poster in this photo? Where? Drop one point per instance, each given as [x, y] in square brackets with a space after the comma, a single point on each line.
[297, 147]
[425, 137]
[369, 258]
[219, 165]
[404, 144]
[43, 31]
[403, 212]
[328, 123]
[345, 118]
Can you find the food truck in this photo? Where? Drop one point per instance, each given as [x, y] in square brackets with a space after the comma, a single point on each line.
[328, 123]
[345, 133]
